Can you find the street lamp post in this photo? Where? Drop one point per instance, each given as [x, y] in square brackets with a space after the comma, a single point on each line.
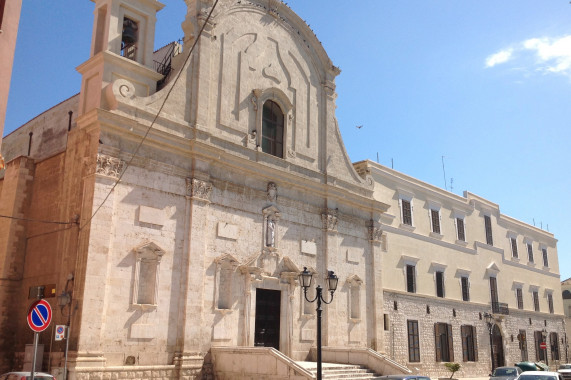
[489, 322]
[305, 278]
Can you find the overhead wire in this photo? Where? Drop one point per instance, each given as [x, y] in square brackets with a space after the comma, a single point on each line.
[154, 119]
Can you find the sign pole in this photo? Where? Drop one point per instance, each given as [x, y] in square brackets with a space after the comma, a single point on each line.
[66, 348]
[35, 353]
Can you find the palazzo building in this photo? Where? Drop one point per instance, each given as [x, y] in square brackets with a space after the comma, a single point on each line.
[191, 185]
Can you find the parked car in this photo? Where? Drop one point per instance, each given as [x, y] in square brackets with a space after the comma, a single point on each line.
[506, 373]
[565, 371]
[540, 375]
[403, 377]
[26, 376]
[531, 366]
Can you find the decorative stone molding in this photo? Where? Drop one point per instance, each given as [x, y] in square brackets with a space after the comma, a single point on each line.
[198, 189]
[109, 166]
[329, 219]
[272, 192]
[375, 232]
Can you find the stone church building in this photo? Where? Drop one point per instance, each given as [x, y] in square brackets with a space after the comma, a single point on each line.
[192, 185]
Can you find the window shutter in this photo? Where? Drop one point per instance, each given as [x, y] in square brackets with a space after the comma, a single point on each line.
[475, 336]
[437, 347]
[450, 342]
[465, 347]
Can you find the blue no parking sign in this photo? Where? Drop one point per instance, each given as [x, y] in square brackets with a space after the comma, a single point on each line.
[39, 315]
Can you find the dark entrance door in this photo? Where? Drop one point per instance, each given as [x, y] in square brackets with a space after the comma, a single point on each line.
[498, 347]
[267, 329]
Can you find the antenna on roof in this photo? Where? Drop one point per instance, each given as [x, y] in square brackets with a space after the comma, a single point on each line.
[377, 157]
[451, 184]
[392, 163]
[444, 172]
[533, 221]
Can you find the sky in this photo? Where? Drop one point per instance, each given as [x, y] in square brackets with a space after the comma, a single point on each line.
[474, 92]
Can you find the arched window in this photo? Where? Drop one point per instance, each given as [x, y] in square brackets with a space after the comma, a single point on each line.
[566, 295]
[272, 129]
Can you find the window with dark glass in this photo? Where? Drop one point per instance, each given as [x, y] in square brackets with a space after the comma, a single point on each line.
[522, 339]
[440, 284]
[410, 279]
[413, 341]
[539, 352]
[513, 242]
[460, 228]
[494, 291]
[554, 345]
[435, 216]
[535, 295]
[272, 129]
[465, 289]
[469, 345]
[519, 297]
[443, 344]
[406, 212]
[545, 258]
[488, 226]
[550, 302]
[530, 252]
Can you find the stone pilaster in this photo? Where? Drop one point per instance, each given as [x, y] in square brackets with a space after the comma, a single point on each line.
[375, 238]
[330, 261]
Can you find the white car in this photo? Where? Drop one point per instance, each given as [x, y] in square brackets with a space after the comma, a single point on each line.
[565, 371]
[540, 375]
[26, 376]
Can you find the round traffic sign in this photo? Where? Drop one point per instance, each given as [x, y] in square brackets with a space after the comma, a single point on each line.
[543, 345]
[39, 315]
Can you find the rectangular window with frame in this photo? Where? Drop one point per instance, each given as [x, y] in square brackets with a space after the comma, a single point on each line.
[513, 242]
[550, 302]
[535, 295]
[413, 342]
[539, 352]
[465, 288]
[521, 337]
[545, 258]
[406, 212]
[554, 345]
[519, 298]
[443, 343]
[461, 232]
[410, 279]
[439, 284]
[494, 291]
[435, 219]
[530, 252]
[488, 226]
[469, 344]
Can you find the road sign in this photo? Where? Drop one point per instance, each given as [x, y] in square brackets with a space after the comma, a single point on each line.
[39, 315]
[60, 332]
[543, 346]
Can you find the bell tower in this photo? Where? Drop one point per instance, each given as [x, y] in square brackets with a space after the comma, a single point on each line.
[121, 48]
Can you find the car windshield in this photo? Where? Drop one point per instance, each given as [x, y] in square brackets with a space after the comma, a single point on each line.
[505, 372]
[565, 366]
[537, 377]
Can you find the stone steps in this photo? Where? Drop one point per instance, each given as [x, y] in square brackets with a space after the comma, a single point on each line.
[333, 371]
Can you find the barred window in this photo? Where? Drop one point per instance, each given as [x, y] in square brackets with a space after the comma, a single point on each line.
[435, 218]
[460, 229]
[413, 341]
[272, 129]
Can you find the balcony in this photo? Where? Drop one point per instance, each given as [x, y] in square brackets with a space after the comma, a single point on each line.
[500, 308]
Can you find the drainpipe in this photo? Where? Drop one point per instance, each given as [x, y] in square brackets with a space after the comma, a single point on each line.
[30, 143]
[70, 113]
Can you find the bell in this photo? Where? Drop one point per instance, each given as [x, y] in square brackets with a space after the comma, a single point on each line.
[129, 32]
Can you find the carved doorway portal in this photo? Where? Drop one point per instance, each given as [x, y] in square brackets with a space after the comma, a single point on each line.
[498, 360]
[267, 328]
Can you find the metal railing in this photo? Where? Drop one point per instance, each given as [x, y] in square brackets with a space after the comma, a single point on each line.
[500, 308]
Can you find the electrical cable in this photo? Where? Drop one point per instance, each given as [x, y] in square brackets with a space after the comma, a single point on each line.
[154, 119]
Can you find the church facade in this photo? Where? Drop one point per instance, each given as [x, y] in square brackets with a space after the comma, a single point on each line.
[192, 193]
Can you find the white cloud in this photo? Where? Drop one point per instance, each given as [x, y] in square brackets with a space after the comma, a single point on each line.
[500, 57]
[545, 55]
